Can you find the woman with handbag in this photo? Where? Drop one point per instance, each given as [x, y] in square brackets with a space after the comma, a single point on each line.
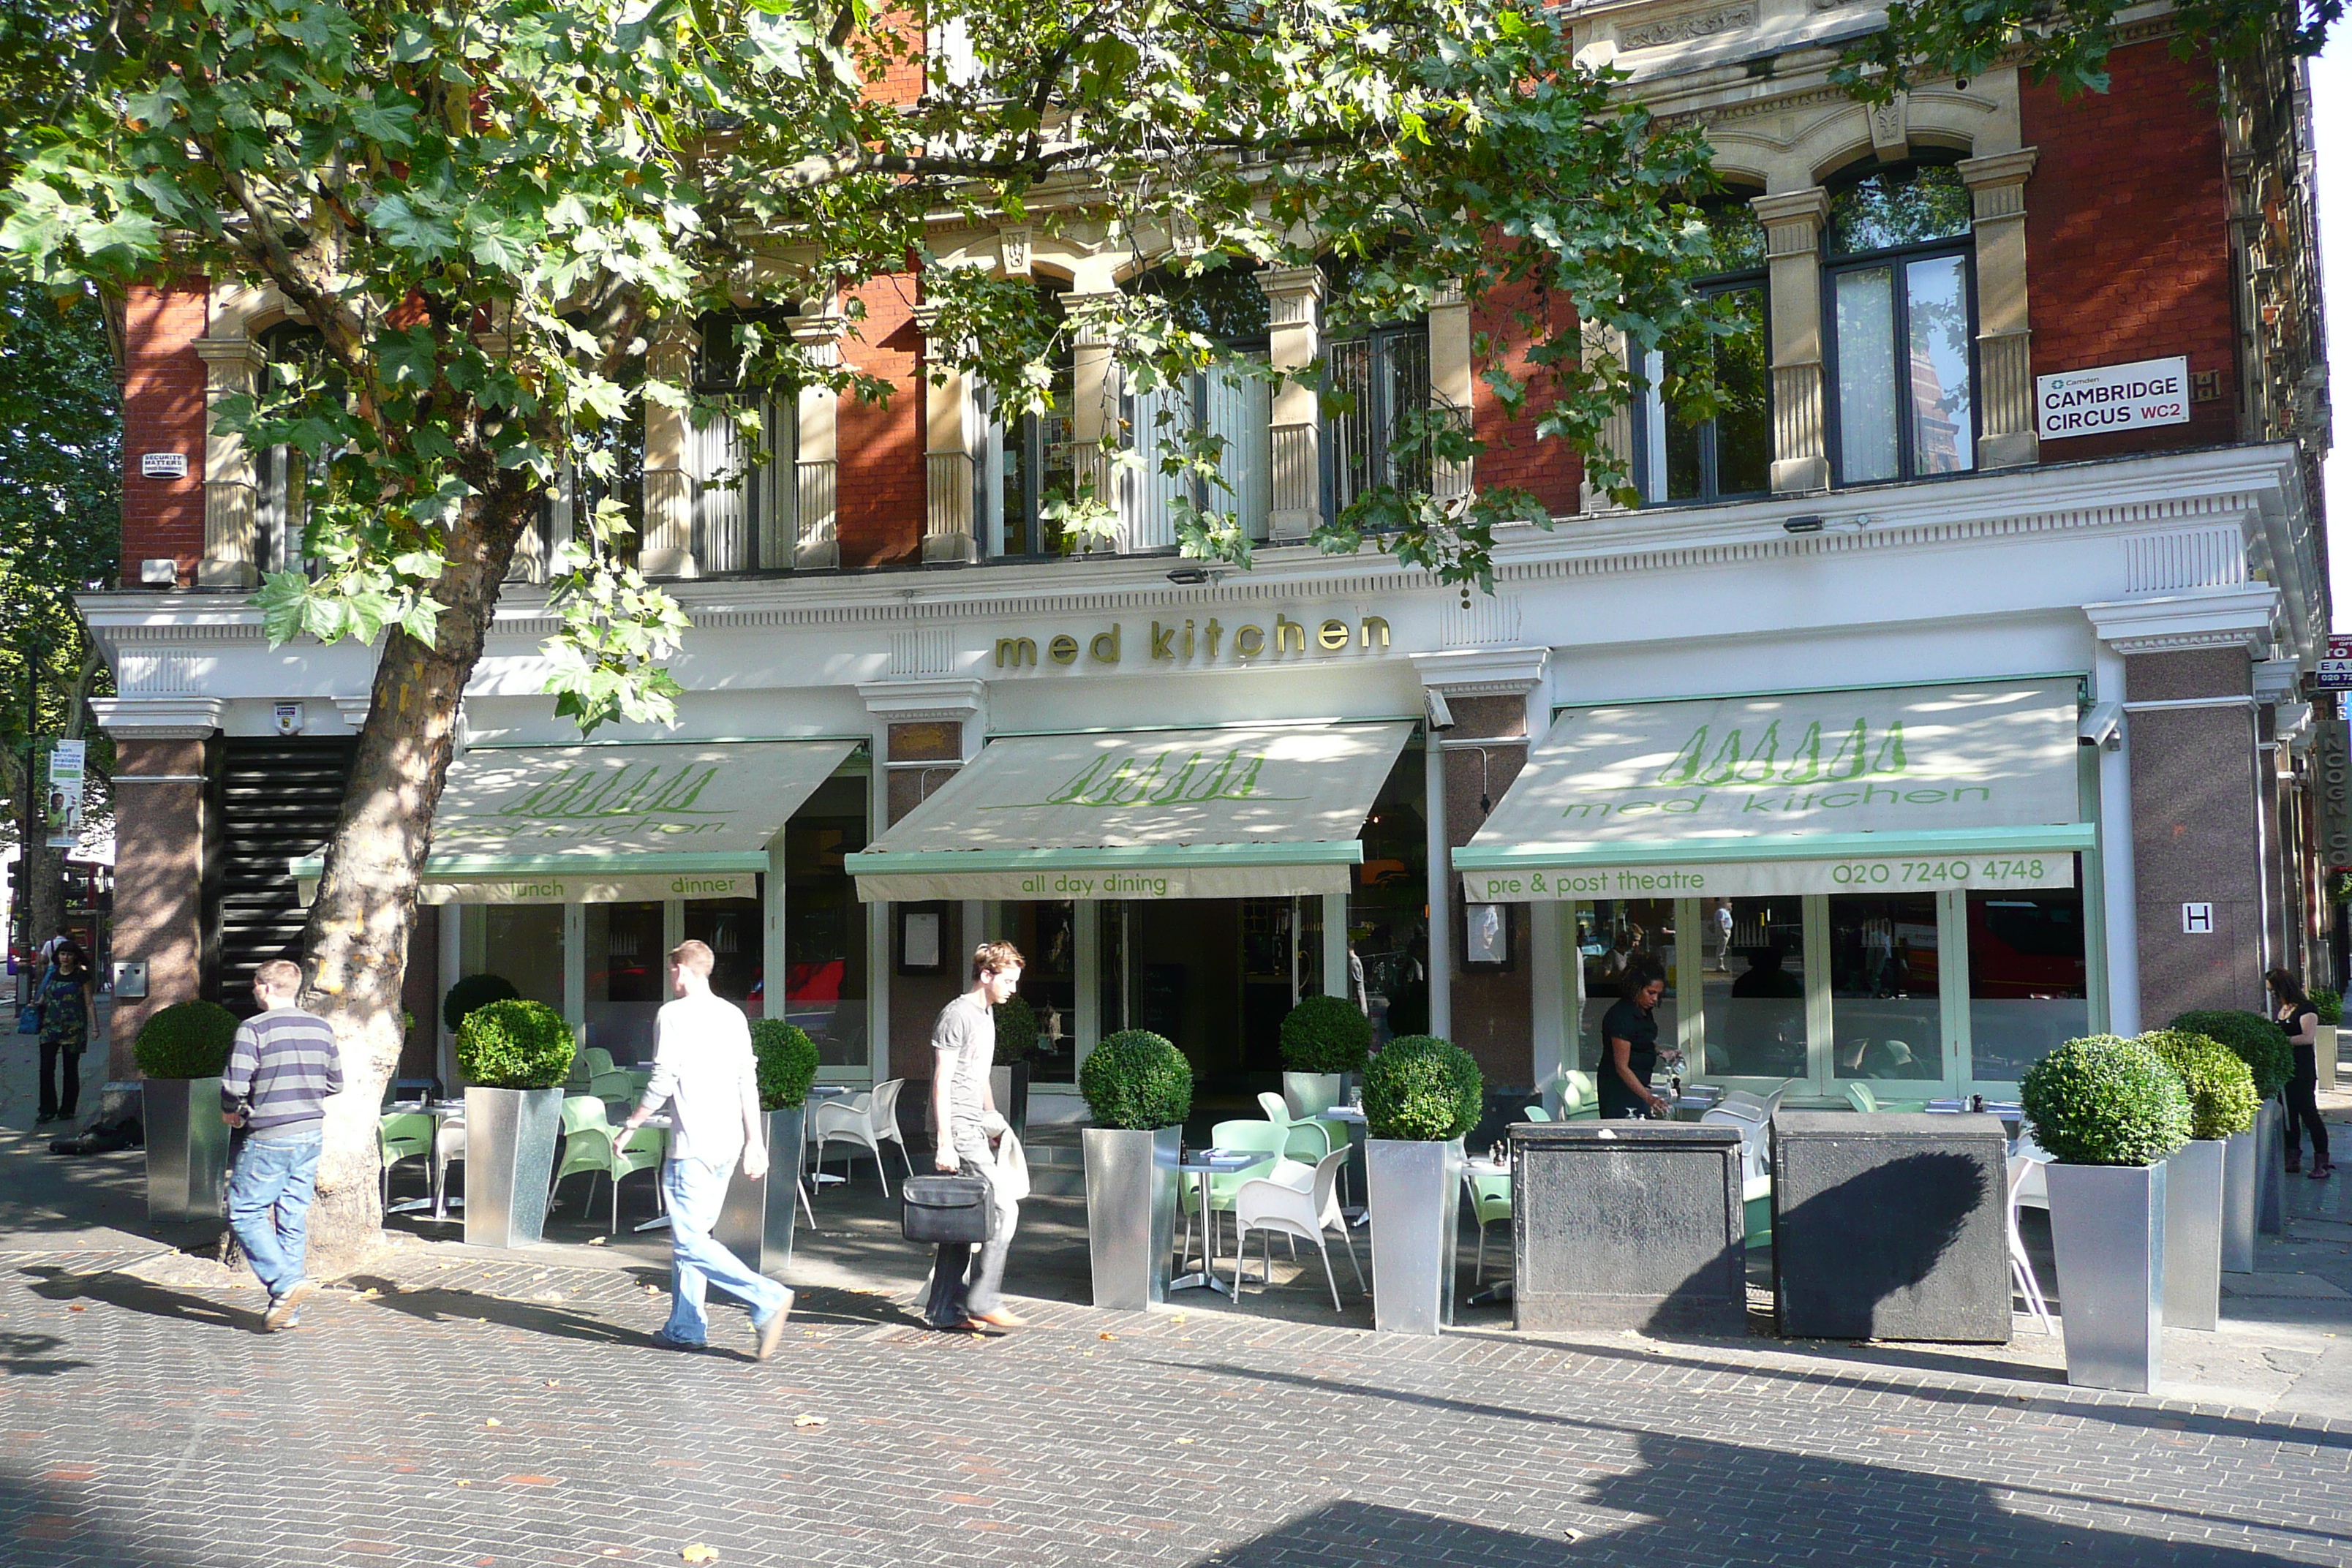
[66, 1005]
[2300, 1019]
[964, 1120]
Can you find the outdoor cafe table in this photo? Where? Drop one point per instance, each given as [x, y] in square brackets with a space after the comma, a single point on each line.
[1203, 1163]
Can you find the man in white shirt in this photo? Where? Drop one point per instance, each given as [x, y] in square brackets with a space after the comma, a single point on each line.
[704, 1071]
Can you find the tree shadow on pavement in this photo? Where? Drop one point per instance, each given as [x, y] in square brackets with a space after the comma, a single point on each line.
[40, 1528]
[1687, 1500]
[27, 1355]
[137, 1295]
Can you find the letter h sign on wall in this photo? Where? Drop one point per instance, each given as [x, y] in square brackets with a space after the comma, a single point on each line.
[2197, 920]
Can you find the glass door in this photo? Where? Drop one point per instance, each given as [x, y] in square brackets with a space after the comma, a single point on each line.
[1886, 1008]
[1756, 1028]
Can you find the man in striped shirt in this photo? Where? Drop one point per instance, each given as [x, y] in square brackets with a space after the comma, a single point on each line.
[285, 1063]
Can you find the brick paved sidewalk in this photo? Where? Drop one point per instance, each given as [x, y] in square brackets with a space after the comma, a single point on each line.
[486, 1412]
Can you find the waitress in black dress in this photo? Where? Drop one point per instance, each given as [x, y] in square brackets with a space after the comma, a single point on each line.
[1629, 1047]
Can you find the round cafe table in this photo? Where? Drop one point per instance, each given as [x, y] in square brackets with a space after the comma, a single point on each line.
[1204, 1163]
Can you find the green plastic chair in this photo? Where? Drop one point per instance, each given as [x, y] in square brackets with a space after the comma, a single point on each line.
[588, 1146]
[1256, 1136]
[1861, 1097]
[1580, 1096]
[1535, 1113]
[585, 1065]
[402, 1135]
[1308, 1141]
[612, 1084]
[1756, 1210]
[1490, 1200]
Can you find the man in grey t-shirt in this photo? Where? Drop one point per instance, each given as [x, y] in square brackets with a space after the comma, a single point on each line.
[963, 1121]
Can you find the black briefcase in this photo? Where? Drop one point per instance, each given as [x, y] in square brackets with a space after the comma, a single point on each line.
[945, 1209]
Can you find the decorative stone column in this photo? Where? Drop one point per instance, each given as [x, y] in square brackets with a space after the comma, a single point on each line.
[951, 447]
[2004, 342]
[1451, 385]
[1792, 228]
[159, 832]
[1600, 340]
[1294, 297]
[1094, 392]
[667, 548]
[818, 540]
[231, 368]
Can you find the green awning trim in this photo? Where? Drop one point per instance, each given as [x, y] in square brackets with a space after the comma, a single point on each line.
[2055, 838]
[477, 867]
[871, 863]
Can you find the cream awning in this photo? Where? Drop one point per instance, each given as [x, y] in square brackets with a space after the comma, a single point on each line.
[687, 819]
[1886, 790]
[1258, 811]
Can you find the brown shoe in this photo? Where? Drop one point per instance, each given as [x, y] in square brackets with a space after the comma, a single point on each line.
[1001, 1319]
[772, 1332]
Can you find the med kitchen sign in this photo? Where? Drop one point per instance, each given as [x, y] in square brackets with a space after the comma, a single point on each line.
[2112, 397]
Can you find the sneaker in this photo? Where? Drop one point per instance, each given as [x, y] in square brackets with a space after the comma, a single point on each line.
[283, 1308]
[667, 1342]
[770, 1328]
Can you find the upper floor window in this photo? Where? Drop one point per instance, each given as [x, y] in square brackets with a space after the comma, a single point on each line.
[1729, 453]
[1379, 378]
[744, 487]
[1227, 402]
[1026, 463]
[281, 512]
[605, 462]
[1902, 316]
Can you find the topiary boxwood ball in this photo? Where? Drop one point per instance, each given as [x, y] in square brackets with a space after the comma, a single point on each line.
[1137, 1080]
[2262, 1045]
[1326, 1034]
[1421, 1089]
[472, 992]
[1016, 1031]
[187, 1039]
[515, 1043]
[2222, 1099]
[2100, 1100]
[787, 1060]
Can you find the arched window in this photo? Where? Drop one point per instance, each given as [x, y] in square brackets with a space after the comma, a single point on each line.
[1224, 303]
[1678, 459]
[745, 494]
[1027, 462]
[1900, 277]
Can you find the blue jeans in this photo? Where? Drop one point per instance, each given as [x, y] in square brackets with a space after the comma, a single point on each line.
[697, 1190]
[269, 1206]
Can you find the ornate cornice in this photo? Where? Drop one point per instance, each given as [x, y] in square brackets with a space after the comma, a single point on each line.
[2173, 623]
[1483, 671]
[158, 718]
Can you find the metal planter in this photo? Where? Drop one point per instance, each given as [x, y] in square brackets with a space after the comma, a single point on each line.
[1890, 1226]
[2108, 1222]
[756, 1222]
[1416, 1202]
[2270, 1132]
[1312, 1093]
[510, 1137]
[1629, 1225]
[2324, 1057]
[1131, 1178]
[2240, 1161]
[187, 1149]
[2192, 1235]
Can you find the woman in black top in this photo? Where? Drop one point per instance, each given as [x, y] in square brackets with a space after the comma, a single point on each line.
[2300, 1019]
[1629, 1047]
[66, 1004]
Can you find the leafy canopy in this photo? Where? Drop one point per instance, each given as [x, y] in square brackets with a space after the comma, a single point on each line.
[499, 216]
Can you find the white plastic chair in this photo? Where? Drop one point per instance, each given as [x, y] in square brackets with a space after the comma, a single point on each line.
[869, 1121]
[2022, 1168]
[1755, 1141]
[1272, 1204]
[448, 1149]
[1766, 1103]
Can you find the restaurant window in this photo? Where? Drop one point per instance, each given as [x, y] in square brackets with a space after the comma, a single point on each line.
[1729, 452]
[281, 510]
[1618, 937]
[731, 929]
[626, 978]
[1027, 462]
[1230, 401]
[1388, 907]
[1886, 1014]
[744, 486]
[522, 945]
[1046, 934]
[1901, 310]
[1754, 1007]
[2029, 981]
[824, 925]
[605, 460]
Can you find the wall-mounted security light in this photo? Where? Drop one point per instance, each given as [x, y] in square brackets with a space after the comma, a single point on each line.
[1802, 525]
[1434, 704]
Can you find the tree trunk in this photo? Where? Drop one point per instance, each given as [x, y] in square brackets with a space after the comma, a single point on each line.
[356, 946]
